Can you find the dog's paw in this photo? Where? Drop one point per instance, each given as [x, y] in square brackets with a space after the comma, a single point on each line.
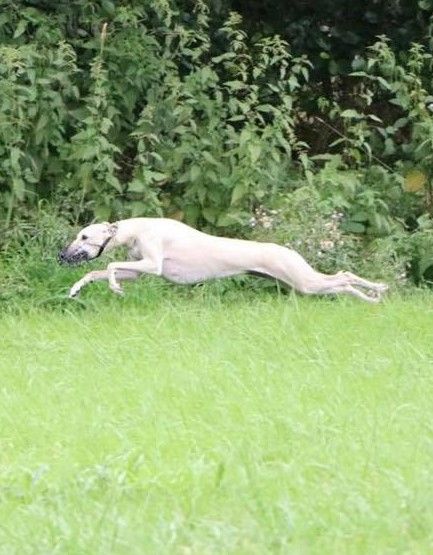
[73, 292]
[117, 289]
[382, 287]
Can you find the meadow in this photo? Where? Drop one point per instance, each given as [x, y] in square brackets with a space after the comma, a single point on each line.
[209, 420]
[232, 418]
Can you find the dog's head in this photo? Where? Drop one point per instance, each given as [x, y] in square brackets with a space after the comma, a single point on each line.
[90, 243]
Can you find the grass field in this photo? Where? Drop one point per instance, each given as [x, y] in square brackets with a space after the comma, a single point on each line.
[206, 423]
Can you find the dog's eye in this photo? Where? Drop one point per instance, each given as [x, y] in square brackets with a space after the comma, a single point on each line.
[84, 237]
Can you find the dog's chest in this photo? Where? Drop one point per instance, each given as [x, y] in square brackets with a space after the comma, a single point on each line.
[134, 252]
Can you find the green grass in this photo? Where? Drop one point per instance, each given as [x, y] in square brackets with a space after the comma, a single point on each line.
[197, 422]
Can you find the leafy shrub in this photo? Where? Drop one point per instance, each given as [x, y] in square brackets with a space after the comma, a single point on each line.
[222, 136]
[111, 110]
[184, 130]
[35, 89]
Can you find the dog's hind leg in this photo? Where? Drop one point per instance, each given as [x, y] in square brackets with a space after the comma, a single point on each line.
[355, 280]
[291, 268]
[100, 275]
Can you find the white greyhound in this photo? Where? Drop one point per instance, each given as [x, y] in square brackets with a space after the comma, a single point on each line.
[182, 254]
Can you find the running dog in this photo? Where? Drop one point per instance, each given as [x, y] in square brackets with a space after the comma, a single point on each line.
[182, 254]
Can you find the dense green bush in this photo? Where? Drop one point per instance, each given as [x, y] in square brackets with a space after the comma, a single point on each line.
[153, 120]
[111, 110]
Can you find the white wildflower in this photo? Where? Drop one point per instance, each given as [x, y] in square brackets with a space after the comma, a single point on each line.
[326, 245]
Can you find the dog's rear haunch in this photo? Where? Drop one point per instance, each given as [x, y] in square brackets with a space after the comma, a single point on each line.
[181, 254]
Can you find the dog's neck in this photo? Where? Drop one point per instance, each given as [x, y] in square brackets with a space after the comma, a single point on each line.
[121, 237]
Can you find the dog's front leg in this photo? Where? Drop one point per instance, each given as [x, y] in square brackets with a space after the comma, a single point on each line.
[98, 275]
[145, 266]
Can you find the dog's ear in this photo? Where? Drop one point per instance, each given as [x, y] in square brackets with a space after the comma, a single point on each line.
[112, 229]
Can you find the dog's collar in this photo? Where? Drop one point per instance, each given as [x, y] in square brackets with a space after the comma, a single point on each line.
[113, 230]
[102, 247]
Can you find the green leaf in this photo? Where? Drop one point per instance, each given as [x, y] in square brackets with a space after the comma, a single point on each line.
[239, 117]
[84, 152]
[239, 192]
[209, 158]
[374, 118]
[389, 147]
[15, 155]
[401, 122]
[40, 127]
[246, 136]
[195, 172]
[265, 108]
[192, 213]
[425, 4]
[333, 67]
[210, 214]
[310, 177]
[358, 63]
[293, 83]
[201, 194]
[106, 124]
[108, 7]
[102, 212]
[384, 83]
[158, 176]
[351, 114]
[235, 85]
[354, 227]
[360, 217]
[136, 186]
[20, 29]
[18, 187]
[225, 220]
[255, 151]
[222, 57]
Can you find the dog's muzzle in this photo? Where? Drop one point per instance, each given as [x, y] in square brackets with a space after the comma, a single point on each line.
[72, 256]
[77, 257]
